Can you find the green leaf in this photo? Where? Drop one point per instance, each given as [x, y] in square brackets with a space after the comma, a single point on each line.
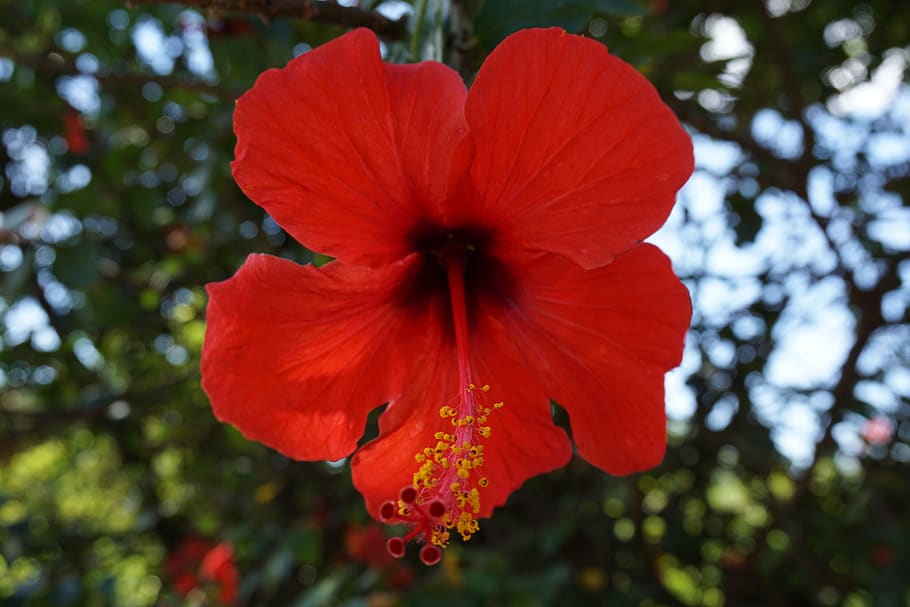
[620, 8]
[323, 593]
[77, 267]
[496, 19]
[427, 28]
[12, 282]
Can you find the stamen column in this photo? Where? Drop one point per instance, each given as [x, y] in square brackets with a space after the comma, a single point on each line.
[445, 494]
[455, 267]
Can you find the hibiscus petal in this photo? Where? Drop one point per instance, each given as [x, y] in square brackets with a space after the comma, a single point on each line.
[296, 356]
[574, 151]
[386, 464]
[602, 340]
[524, 441]
[344, 151]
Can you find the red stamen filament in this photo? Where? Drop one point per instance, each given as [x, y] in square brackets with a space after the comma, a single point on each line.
[455, 273]
[445, 491]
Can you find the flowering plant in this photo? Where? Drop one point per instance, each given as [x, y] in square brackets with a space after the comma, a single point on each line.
[198, 563]
[488, 257]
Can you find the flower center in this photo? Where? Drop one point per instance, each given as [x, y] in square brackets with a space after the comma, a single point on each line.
[484, 277]
[446, 488]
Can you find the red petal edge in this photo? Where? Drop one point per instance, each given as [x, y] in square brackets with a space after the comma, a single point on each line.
[575, 153]
[344, 151]
[296, 356]
[602, 341]
[524, 441]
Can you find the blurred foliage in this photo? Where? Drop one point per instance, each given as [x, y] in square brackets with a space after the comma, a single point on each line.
[118, 206]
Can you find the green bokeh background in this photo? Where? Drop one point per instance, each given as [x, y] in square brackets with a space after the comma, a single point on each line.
[110, 456]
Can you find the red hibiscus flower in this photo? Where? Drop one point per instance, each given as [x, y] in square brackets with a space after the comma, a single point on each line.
[74, 132]
[367, 544]
[197, 562]
[489, 257]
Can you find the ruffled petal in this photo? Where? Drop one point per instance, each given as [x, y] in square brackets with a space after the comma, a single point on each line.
[524, 441]
[575, 153]
[602, 340]
[346, 152]
[382, 467]
[296, 356]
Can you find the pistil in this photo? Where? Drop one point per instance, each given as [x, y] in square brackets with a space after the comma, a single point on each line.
[446, 488]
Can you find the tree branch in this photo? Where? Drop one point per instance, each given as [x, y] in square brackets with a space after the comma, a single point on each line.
[319, 11]
[29, 427]
[60, 64]
[791, 175]
[869, 320]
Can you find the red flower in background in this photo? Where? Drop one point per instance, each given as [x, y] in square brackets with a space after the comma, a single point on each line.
[367, 544]
[877, 431]
[74, 132]
[488, 257]
[198, 562]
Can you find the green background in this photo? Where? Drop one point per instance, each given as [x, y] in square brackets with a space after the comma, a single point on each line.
[109, 453]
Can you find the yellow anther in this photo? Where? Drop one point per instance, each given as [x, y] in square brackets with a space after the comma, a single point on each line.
[474, 499]
[451, 471]
[440, 538]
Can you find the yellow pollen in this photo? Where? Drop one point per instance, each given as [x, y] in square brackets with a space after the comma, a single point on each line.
[449, 472]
